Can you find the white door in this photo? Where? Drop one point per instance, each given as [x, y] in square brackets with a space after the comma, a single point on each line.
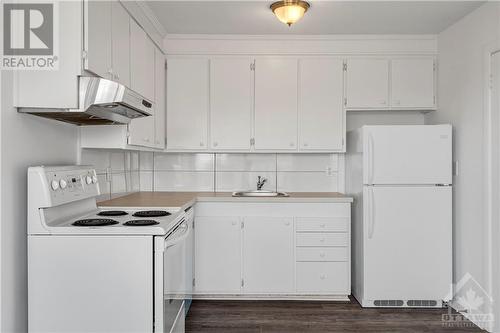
[367, 84]
[321, 110]
[413, 83]
[407, 242]
[217, 255]
[231, 101]
[98, 38]
[268, 255]
[142, 62]
[120, 31]
[187, 104]
[276, 104]
[411, 154]
[160, 92]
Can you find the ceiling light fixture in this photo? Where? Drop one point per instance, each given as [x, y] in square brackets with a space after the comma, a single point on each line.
[289, 11]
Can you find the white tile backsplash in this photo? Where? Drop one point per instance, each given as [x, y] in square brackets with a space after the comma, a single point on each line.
[228, 181]
[184, 162]
[307, 162]
[245, 162]
[118, 161]
[307, 182]
[146, 180]
[146, 171]
[146, 161]
[183, 180]
[97, 158]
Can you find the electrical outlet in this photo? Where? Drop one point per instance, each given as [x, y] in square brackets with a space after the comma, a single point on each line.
[329, 171]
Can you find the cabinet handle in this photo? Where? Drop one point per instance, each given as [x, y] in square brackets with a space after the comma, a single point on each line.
[384, 102]
[322, 254]
[306, 145]
[322, 276]
[322, 240]
[215, 144]
[322, 225]
[292, 144]
[287, 223]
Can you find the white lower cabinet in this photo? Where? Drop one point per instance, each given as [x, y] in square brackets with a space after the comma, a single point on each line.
[218, 254]
[272, 250]
[268, 255]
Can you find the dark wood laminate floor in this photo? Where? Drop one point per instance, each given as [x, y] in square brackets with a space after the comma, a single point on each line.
[317, 317]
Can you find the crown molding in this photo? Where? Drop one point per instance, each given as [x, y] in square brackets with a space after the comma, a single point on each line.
[153, 19]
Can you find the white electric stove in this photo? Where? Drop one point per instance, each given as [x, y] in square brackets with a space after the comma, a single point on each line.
[103, 270]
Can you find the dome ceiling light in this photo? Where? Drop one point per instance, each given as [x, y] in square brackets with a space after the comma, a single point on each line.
[289, 11]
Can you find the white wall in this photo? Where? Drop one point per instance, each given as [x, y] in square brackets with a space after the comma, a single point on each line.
[357, 119]
[25, 140]
[462, 86]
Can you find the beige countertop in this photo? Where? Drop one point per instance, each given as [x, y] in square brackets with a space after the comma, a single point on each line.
[185, 199]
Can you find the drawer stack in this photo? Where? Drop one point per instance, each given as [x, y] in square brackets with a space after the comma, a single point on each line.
[322, 255]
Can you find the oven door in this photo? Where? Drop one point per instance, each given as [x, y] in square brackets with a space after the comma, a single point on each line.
[170, 276]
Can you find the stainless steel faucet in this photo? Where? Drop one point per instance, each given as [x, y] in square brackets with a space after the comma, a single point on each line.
[260, 182]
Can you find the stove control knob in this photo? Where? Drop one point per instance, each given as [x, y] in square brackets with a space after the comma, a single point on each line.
[94, 179]
[88, 180]
[63, 184]
[54, 185]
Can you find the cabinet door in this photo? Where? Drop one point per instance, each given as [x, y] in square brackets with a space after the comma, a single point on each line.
[321, 111]
[159, 99]
[268, 255]
[217, 255]
[120, 32]
[231, 97]
[413, 83]
[98, 38]
[187, 104]
[367, 84]
[142, 130]
[276, 104]
[142, 63]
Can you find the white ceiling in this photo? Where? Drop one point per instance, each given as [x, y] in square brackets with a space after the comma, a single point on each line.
[324, 17]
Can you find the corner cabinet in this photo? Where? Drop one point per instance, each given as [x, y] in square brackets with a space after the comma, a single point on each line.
[272, 250]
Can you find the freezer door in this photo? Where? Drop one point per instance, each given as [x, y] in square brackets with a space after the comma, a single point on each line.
[420, 154]
[408, 242]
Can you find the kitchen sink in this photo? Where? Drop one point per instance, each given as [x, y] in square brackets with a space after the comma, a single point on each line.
[259, 194]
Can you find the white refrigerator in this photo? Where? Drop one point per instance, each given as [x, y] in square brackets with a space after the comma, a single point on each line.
[401, 178]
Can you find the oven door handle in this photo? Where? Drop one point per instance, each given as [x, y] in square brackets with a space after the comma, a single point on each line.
[183, 230]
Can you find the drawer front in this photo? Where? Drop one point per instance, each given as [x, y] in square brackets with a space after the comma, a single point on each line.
[322, 254]
[322, 239]
[328, 224]
[323, 278]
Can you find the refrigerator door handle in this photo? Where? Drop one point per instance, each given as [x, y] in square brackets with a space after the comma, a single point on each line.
[370, 158]
[371, 214]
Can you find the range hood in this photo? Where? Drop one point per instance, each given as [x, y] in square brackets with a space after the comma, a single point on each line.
[101, 102]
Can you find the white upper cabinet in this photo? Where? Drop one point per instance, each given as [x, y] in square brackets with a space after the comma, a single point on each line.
[231, 101]
[367, 83]
[321, 110]
[98, 38]
[142, 63]
[276, 104]
[120, 32]
[159, 99]
[413, 83]
[268, 250]
[187, 103]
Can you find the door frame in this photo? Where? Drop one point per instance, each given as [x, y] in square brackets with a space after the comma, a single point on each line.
[491, 245]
